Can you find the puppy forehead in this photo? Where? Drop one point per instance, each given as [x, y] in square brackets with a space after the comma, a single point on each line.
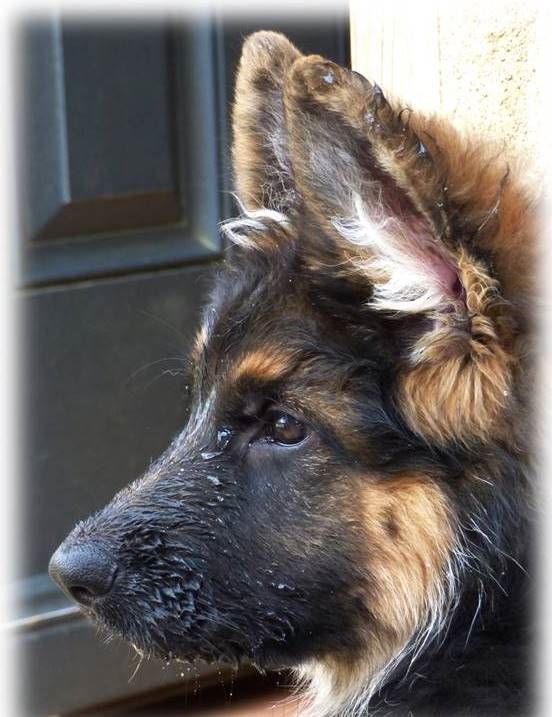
[266, 323]
[255, 296]
[252, 333]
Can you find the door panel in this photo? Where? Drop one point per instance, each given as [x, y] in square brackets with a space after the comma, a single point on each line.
[114, 91]
[120, 162]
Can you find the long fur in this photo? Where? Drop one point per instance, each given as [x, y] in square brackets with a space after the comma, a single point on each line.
[351, 496]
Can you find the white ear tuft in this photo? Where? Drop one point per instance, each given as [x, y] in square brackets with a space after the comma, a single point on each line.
[239, 230]
[410, 271]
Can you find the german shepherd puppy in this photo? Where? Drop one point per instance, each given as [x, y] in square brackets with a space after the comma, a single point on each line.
[350, 497]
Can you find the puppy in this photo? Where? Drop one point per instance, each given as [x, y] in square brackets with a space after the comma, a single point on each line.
[351, 496]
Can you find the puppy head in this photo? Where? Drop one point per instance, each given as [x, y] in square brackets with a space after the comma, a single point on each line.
[356, 377]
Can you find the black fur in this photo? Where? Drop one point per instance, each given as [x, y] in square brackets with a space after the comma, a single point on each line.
[230, 548]
[234, 547]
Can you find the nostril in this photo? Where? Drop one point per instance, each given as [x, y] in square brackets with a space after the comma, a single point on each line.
[96, 586]
[87, 594]
[84, 571]
[82, 595]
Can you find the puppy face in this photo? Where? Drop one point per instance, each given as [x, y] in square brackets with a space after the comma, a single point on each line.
[256, 534]
[357, 396]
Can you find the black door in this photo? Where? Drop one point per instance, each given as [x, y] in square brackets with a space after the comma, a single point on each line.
[123, 180]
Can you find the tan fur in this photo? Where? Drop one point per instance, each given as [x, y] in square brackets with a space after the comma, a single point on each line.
[458, 381]
[459, 378]
[410, 534]
[493, 196]
[408, 565]
[461, 172]
[264, 364]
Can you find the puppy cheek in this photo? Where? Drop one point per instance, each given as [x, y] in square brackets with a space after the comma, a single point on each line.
[410, 538]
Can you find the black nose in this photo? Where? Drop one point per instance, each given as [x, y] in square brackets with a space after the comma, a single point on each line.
[83, 570]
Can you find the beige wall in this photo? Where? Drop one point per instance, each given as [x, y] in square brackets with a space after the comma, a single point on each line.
[474, 61]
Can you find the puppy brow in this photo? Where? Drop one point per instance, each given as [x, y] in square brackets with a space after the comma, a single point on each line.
[266, 364]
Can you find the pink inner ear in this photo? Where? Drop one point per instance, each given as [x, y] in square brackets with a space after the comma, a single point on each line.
[440, 267]
[447, 275]
[420, 274]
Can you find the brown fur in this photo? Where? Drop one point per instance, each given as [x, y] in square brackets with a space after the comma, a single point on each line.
[351, 494]
[407, 564]
[257, 105]
[458, 379]
[264, 364]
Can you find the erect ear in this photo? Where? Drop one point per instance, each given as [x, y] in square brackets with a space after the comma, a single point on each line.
[262, 172]
[367, 176]
[382, 191]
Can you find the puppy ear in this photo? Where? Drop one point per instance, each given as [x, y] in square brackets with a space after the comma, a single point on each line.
[370, 179]
[383, 193]
[262, 171]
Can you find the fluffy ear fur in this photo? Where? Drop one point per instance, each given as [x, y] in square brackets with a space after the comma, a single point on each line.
[368, 176]
[411, 210]
[262, 170]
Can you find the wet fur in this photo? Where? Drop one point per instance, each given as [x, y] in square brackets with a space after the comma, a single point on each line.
[379, 286]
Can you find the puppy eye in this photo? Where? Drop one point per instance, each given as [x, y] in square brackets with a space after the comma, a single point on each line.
[285, 429]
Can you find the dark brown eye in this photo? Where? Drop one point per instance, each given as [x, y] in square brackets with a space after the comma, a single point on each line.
[286, 429]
